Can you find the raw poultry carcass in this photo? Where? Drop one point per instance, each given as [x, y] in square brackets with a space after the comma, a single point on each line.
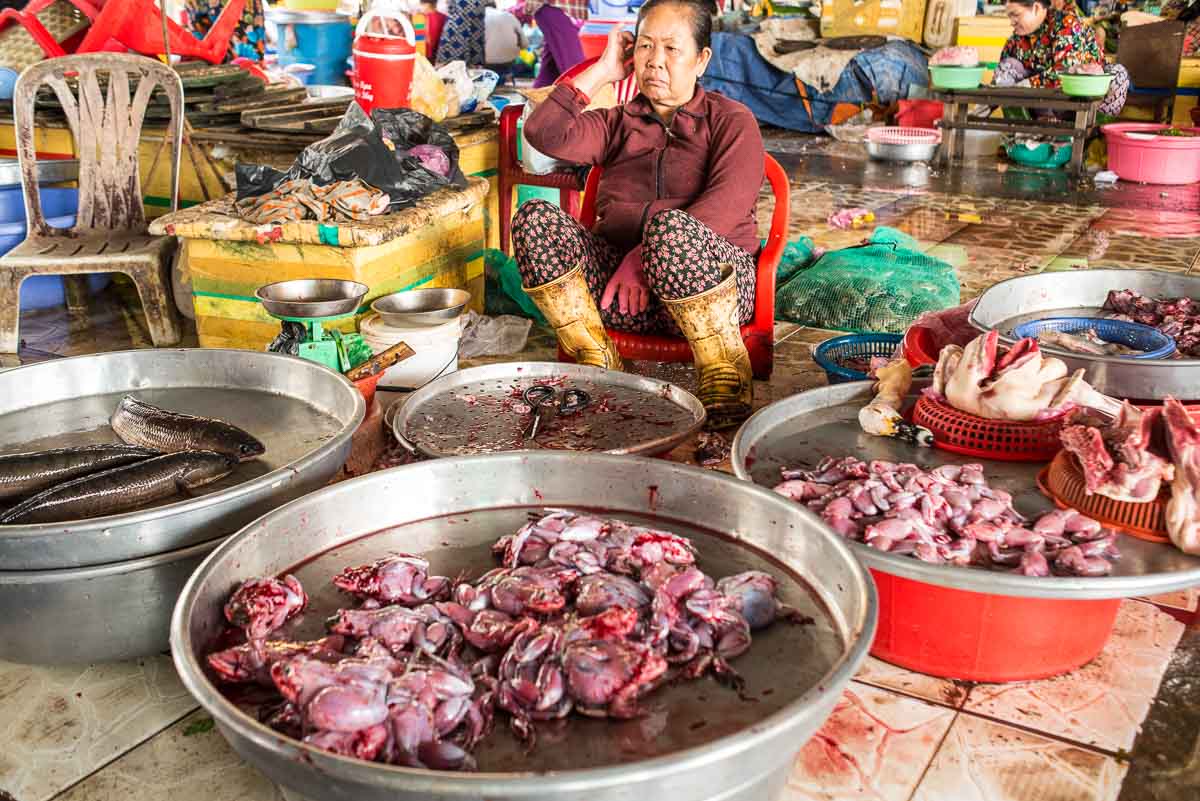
[1021, 385]
[1119, 461]
[251, 662]
[1183, 510]
[400, 579]
[948, 515]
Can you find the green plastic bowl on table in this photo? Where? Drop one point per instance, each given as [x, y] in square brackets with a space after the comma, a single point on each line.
[1044, 155]
[956, 77]
[1085, 85]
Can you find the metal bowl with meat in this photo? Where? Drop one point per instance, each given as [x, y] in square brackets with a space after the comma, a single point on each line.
[694, 739]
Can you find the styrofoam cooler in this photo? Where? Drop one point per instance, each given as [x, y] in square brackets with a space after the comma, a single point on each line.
[435, 346]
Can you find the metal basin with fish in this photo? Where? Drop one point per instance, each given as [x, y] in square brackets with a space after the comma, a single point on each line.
[482, 410]
[303, 413]
[699, 740]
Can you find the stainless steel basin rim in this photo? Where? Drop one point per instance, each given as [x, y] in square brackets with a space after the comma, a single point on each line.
[216, 576]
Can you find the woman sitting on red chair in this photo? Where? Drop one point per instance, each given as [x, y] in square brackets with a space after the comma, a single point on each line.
[673, 249]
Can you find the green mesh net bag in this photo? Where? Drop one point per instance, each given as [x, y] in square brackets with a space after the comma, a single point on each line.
[882, 286]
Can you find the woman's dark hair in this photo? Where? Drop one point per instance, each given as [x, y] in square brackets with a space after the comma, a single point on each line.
[1031, 3]
[702, 12]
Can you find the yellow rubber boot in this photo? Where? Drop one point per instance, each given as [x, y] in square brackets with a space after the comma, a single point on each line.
[710, 323]
[571, 310]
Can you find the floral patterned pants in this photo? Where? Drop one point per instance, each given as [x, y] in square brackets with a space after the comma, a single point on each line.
[681, 257]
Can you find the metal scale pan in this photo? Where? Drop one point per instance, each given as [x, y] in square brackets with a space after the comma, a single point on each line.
[481, 410]
[698, 741]
[1009, 303]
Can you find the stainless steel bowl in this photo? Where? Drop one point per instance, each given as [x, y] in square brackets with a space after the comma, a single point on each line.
[421, 306]
[915, 151]
[311, 297]
[104, 613]
[304, 413]
[698, 742]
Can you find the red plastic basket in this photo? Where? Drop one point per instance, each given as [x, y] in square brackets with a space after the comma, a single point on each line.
[1002, 440]
[1063, 483]
[959, 634]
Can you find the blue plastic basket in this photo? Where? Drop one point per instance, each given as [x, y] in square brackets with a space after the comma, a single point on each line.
[831, 353]
[1153, 343]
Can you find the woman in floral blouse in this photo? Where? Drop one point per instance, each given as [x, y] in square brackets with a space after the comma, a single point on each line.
[1047, 43]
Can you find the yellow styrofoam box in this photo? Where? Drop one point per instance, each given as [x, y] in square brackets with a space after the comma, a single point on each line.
[864, 17]
[225, 274]
[988, 35]
[479, 156]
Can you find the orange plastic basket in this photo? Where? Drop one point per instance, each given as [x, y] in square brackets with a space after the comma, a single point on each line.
[1003, 440]
[1063, 482]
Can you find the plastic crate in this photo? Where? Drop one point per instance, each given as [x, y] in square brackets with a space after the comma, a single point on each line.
[832, 353]
[1153, 343]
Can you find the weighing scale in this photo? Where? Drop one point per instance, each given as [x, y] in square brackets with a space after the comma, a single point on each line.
[306, 307]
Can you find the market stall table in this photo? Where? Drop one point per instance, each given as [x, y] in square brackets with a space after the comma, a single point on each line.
[956, 120]
[437, 243]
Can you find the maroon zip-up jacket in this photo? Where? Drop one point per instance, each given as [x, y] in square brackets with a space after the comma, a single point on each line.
[709, 163]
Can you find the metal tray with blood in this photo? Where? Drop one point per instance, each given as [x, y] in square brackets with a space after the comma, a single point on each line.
[484, 410]
[960, 622]
[1008, 304]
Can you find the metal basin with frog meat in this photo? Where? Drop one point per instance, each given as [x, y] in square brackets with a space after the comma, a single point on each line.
[699, 740]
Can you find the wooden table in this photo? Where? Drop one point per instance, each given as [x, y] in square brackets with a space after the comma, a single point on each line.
[956, 121]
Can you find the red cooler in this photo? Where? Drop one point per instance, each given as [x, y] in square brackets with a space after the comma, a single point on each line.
[383, 59]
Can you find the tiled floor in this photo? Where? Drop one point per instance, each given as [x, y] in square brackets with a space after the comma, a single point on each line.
[1125, 727]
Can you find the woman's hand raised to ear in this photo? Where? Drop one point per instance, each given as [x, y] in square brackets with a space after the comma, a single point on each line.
[613, 66]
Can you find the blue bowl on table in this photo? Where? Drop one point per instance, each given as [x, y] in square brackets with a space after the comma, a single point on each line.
[1153, 343]
[831, 354]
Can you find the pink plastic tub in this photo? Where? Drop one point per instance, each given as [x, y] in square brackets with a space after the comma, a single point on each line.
[1161, 160]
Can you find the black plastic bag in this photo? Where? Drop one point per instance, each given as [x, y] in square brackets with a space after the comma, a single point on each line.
[256, 180]
[406, 129]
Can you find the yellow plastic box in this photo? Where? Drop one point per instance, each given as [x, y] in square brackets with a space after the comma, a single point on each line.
[986, 34]
[879, 17]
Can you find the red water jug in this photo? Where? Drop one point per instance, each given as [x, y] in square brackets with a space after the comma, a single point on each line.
[383, 59]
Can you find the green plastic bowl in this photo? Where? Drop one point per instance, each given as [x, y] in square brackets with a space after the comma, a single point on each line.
[956, 77]
[1044, 155]
[1085, 85]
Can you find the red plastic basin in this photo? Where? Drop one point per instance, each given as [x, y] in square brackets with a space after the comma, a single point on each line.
[366, 386]
[1161, 160]
[973, 636]
[919, 347]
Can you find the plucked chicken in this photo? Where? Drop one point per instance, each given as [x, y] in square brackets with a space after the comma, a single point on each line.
[1118, 461]
[1019, 385]
[1183, 510]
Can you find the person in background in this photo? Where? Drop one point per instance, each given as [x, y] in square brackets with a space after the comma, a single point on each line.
[1047, 43]
[503, 41]
[249, 39]
[434, 22]
[463, 37]
[561, 49]
[674, 246]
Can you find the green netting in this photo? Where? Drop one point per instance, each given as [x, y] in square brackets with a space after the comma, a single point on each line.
[882, 285]
[797, 255]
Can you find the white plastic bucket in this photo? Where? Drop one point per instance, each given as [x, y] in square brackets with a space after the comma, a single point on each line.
[436, 348]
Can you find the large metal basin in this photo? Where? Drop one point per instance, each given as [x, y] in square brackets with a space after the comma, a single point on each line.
[699, 741]
[304, 413]
[93, 614]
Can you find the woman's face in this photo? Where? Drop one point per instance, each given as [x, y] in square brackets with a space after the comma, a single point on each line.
[1025, 20]
[665, 58]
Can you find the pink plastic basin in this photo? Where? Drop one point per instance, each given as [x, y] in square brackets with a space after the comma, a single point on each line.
[1161, 160]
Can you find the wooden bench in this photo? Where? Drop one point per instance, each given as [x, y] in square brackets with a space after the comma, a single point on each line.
[956, 120]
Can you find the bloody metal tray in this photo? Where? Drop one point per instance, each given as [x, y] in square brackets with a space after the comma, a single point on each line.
[803, 429]
[482, 410]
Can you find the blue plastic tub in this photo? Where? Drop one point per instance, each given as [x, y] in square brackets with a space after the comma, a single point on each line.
[58, 206]
[831, 354]
[325, 45]
[1153, 343]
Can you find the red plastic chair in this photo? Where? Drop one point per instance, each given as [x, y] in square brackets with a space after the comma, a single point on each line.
[511, 174]
[759, 333]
